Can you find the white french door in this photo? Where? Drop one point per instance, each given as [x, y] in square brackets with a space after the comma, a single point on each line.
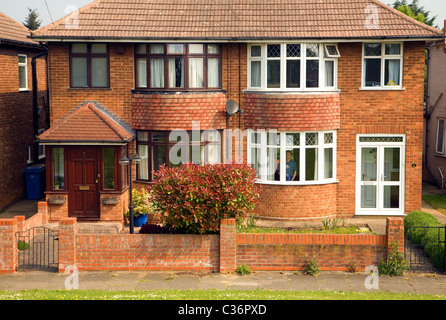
[380, 175]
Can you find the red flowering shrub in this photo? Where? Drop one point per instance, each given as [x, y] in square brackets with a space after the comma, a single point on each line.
[195, 198]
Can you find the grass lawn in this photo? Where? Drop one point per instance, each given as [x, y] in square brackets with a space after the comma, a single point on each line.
[210, 295]
[438, 201]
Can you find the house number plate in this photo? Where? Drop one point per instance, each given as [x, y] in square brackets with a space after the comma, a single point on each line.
[83, 188]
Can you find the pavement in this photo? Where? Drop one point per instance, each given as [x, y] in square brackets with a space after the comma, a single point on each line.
[411, 282]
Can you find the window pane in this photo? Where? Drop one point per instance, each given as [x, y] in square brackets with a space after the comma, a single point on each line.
[141, 66]
[392, 48]
[273, 73]
[372, 49]
[176, 48]
[141, 49]
[312, 73]
[311, 138]
[196, 78]
[391, 197]
[292, 169]
[98, 48]
[213, 72]
[22, 78]
[196, 48]
[293, 50]
[159, 156]
[273, 139]
[328, 137]
[79, 48]
[368, 164]
[392, 72]
[392, 164]
[157, 72]
[176, 73]
[58, 168]
[312, 50]
[109, 168]
[311, 164]
[255, 74]
[143, 136]
[22, 59]
[99, 72]
[157, 48]
[372, 72]
[273, 51]
[143, 169]
[256, 51]
[293, 73]
[328, 163]
[293, 139]
[158, 137]
[329, 73]
[273, 164]
[213, 48]
[255, 159]
[79, 72]
[440, 136]
[368, 196]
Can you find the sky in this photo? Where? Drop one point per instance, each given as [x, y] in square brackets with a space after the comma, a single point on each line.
[53, 10]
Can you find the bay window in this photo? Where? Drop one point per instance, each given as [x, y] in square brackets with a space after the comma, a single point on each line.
[382, 65]
[293, 157]
[173, 148]
[178, 66]
[292, 66]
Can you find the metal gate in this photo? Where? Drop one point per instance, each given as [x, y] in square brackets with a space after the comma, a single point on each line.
[424, 248]
[38, 249]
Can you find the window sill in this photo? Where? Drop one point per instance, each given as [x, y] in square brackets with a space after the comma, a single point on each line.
[269, 91]
[297, 183]
[381, 89]
[89, 88]
[24, 90]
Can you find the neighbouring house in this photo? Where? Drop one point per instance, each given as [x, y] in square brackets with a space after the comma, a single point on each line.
[324, 98]
[23, 109]
[435, 115]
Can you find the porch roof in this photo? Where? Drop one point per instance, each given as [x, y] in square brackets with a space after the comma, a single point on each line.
[235, 20]
[88, 124]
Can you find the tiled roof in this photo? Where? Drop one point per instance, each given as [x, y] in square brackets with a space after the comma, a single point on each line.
[88, 123]
[237, 20]
[14, 31]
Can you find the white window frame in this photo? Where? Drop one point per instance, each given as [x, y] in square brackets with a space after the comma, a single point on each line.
[262, 148]
[25, 64]
[29, 158]
[437, 150]
[383, 57]
[41, 146]
[283, 59]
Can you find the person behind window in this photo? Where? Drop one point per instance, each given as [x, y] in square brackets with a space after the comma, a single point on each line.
[291, 169]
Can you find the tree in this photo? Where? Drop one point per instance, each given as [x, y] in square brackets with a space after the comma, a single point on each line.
[413, 10]
[32, 21]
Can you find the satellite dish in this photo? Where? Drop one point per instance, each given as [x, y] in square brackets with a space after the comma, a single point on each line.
[231, 107]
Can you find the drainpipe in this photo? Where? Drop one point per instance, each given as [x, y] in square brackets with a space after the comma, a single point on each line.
[35, 110]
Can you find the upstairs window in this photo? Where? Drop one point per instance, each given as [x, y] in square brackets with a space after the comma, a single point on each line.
[178, 66]
[292, 66]
[23, 72]
[89, 64]
[382, 65]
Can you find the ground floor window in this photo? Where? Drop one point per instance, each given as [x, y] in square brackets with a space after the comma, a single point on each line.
[293, 157]
[173, 148]
[58, 168]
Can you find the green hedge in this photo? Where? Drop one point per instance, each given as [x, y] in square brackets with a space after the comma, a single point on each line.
[428, 238]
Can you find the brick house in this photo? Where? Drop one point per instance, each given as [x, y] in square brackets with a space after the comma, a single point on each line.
[21, 120]
[330, 94]
[434, 116]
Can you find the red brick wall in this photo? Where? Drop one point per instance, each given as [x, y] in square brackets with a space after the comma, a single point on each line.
[301, 202]
[16, 121]
[380, 112]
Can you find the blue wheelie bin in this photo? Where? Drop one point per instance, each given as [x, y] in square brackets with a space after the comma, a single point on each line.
[35, 179]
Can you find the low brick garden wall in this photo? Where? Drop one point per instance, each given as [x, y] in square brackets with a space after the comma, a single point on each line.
[211, 253]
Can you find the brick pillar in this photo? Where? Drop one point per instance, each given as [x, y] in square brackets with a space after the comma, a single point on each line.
[67, 243]
[8, 245]
[395, 233]
[42, 209]
[228, 237]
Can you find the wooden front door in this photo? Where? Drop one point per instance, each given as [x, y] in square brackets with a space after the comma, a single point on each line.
[83, 190]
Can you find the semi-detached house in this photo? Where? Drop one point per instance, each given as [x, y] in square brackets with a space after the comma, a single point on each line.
[330, 95]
